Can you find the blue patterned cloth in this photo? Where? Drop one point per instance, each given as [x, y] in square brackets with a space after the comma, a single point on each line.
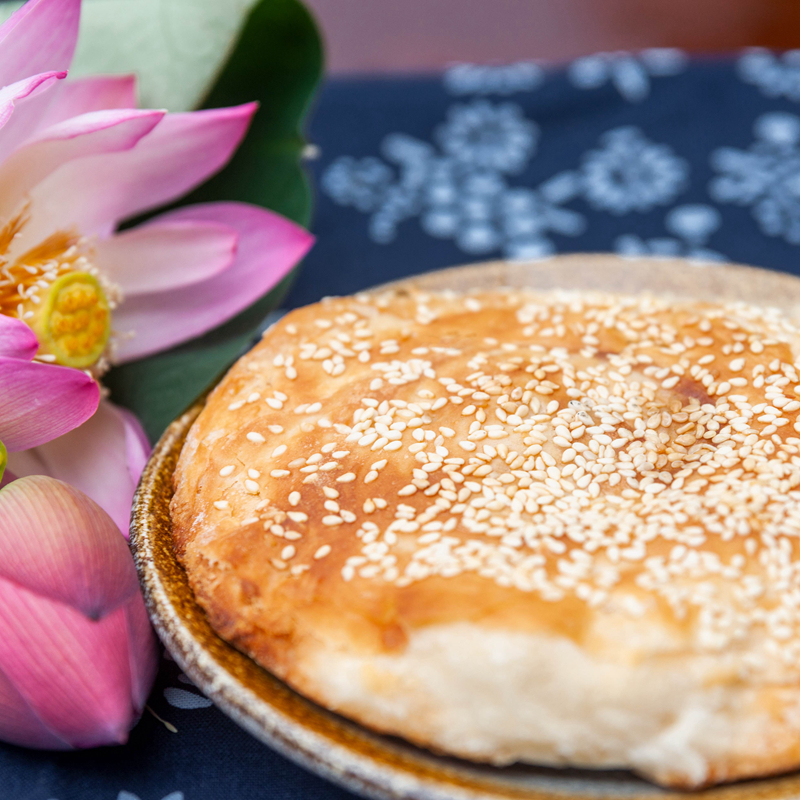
[634, 153]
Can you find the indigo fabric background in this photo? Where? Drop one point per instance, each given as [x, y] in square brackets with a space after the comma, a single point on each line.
[636, 153]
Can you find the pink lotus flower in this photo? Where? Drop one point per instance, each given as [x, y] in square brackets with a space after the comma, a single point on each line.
[76, 160]
[77, 654]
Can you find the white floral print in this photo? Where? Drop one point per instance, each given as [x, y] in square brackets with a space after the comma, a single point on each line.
[628, 173]
[502, 79]
[775, 76]
[460, 204]
[629, 73]
[489, 136]
[182, 698]
[691, 226]
[765, 177]
[528, 215]
[131, 796]
[357, 182]
[415, 161]
[461, 190]
[482, 213]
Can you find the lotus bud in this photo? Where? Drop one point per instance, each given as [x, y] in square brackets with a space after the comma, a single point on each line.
[77, 653]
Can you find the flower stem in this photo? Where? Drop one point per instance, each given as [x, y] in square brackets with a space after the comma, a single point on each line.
[168, 725]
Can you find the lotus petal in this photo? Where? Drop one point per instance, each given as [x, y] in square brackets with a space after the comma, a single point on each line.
[269, 246]
[77, 656]
[57, 542]
[74, 139]
[40, 402]
[38, 38]
[17, 340]
[96, 93]
[165, 255]
[114, 450]
[96, 193]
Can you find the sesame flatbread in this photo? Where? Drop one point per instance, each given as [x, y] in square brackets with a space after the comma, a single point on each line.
[560, 528]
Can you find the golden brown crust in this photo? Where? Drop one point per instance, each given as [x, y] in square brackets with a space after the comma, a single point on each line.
[539, 463]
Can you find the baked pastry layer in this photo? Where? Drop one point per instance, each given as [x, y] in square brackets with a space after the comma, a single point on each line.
[559, 528]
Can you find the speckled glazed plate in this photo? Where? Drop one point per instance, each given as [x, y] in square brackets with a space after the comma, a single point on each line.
[345, 752]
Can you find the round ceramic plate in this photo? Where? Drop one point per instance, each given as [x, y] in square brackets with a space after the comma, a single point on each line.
[344, 752]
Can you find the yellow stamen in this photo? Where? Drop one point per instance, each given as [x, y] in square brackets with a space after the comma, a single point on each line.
[74, 322]
[54, 289]
[3, 459]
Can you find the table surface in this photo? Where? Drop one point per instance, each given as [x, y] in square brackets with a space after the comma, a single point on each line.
[645, 153]
[415, 35]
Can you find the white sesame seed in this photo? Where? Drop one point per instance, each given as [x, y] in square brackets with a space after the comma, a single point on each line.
[322, 552]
